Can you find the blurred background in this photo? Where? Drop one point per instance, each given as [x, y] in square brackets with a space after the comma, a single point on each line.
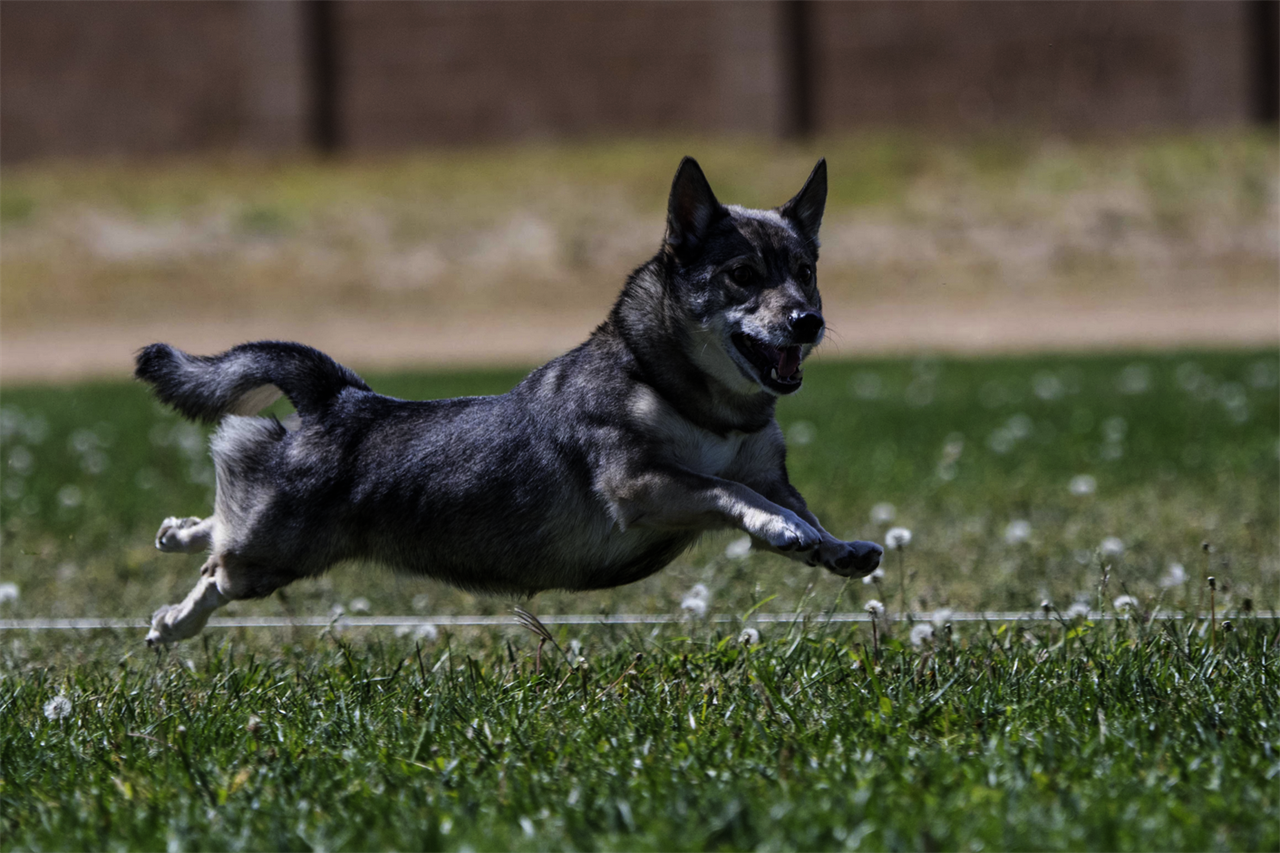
[470, 182]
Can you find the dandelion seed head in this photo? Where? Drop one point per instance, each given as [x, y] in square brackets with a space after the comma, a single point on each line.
[57, 708]
[874, 607]
[883, 513]
[1134, 379]
[1048, 386]
[1001, 441]
[941, 617]
[360, 605]
[876, 575]
[1112, 546]
[70, 496]
[897, 538]
[696, 607]
[1017, 532]
[426, 631]
[865, 385]
[421, 602]
[1175, 575]
[1263, 374]
[8, 592]
[921, 633]
[21, 460]
[1083, 484]
[1078, 610]
[739, 548]
[1114, 429]
[802, 433]
[749, 637]
[1020, 426]
[1125, 602]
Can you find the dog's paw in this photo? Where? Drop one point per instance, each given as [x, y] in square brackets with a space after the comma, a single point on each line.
[849, 559]
[162, 632]
[172, 537]
[788, 532]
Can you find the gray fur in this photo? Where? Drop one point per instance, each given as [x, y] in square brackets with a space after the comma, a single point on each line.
[595, 471]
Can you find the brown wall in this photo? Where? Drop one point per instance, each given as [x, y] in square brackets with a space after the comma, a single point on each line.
[1058, 63]
[91, 79]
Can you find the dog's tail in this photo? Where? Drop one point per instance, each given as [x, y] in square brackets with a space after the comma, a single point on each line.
[244, 379]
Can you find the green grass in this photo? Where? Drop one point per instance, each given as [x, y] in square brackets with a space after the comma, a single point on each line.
[1051, 735]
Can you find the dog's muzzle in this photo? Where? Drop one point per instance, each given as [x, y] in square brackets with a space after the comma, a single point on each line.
[778, 367]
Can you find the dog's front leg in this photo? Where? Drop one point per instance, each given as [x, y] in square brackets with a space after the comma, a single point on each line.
[672, 498]
[847, 559]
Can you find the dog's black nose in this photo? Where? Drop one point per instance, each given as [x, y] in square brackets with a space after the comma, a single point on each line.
[866, 557]
[806, 326]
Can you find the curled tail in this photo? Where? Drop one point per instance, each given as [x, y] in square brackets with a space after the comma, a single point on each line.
[245, 379]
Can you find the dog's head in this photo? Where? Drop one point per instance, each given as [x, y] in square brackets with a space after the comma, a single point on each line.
[747, 281]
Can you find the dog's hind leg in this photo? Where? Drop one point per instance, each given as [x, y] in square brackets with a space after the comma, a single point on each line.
[185, 535]
[175, 622]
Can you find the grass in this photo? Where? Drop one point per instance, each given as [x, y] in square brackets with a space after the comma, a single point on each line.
[544, 227]
[1059, 734]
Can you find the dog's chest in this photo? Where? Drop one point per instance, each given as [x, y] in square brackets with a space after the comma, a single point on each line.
[702, 451]
[682, 442]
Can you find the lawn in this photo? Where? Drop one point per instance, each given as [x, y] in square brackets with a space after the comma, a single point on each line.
[1074, 480]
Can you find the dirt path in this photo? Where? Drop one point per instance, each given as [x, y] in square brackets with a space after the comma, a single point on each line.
[1025, 325]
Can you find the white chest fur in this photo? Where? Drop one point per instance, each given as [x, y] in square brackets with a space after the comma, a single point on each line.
[685, 444]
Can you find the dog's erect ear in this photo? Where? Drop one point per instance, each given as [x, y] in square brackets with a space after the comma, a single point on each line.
[690, 210]
[805, 210]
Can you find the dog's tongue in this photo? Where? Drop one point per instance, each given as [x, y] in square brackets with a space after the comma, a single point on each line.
[788, 362]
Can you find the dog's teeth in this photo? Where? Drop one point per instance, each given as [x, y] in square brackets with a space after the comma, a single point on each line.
[773, 374]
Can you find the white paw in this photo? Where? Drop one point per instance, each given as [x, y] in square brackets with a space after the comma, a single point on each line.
[162, 631]
[170, 537]
[788, 532]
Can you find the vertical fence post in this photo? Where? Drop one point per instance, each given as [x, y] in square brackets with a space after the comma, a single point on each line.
[1264, 26]
[324, 118]
[796, 32]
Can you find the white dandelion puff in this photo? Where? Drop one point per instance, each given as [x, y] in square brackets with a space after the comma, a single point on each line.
[1112, 546]
[1125, 602]
[941, 617]
[883, 513]
[1083, 484]
[801, 433]
[749, 637]
[57, 708]
[1017, 532]
[875, 608]
[426, 631]
[739, 548]
[360, 605]
[70, 496]
[696, 607]
[1078, 610]
[8, 592]
[1114, 429]
[874, 576]
[1175, 575]
[921, 633]
[897, 538]
[1134, 379]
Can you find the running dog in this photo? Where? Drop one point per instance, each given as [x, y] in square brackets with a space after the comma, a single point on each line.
[597, 470]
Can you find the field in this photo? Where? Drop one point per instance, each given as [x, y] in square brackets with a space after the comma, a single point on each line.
[1071, 480]
[999, 242]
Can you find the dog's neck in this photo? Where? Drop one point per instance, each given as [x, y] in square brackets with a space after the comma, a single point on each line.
[642, 323]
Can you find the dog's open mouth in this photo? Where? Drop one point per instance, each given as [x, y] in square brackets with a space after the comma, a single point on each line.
[779, 367]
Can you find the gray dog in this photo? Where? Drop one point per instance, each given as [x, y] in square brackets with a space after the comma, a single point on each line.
[596, 471]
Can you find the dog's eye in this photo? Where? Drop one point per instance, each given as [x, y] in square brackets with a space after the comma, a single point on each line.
[805, 273]
[743, 275]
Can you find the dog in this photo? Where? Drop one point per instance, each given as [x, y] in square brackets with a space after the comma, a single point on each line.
[597, 470]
